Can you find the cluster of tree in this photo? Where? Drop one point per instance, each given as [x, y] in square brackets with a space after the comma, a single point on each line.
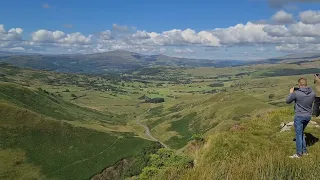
[216, 85]
[154, 100]
[151, 100]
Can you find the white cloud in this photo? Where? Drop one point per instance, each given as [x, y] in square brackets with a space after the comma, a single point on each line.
[141, 35]
[119, 28]
[47, 36]
[310, 17]
[105, 35]
[210, 38]
[60, 37]
[184, 37]
[282, 17]
[241, 34]
[276, 30]
[14, 34]
[76, 38]
[305, 30]
[17, 49]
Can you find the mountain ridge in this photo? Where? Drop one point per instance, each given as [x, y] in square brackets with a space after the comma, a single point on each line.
[114, 61]
[120, 61]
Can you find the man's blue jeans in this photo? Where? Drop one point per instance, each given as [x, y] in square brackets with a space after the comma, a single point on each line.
[300, 123]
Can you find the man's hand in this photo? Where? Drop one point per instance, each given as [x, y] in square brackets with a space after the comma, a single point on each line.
[291, 90]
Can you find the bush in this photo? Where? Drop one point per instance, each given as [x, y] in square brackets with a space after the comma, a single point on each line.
[159, 84]
[271, 96]
[197, 137]
[165, 159]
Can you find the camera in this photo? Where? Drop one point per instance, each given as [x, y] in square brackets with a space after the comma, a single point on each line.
[296, 88]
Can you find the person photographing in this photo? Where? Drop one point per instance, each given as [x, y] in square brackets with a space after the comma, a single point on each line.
[303, 97]
[316, 105]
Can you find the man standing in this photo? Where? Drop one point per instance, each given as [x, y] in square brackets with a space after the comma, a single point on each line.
[316, 105]
[303, 97]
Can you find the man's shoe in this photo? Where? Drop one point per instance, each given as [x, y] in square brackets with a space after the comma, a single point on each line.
[305, 154]
[295, 156]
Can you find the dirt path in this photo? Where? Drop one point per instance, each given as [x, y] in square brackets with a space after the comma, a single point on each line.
[147, 130]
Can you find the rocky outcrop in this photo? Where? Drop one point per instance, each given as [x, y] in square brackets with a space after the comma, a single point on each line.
[114, 172]
[287, 126]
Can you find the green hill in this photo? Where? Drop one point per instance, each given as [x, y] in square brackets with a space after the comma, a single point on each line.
[42, 102]
[253, 149]
[216, 113]
[36, 141]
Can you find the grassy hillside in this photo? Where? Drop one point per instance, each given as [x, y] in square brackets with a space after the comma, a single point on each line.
[37, 142]
[253, 149]
[56, 149]
[42, 102]
[215, 113]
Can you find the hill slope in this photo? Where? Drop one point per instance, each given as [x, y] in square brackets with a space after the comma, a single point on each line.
[42, 102]
[38, 143]
[176, 125]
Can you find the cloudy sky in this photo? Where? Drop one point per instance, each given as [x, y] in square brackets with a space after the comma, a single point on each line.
[211, 29]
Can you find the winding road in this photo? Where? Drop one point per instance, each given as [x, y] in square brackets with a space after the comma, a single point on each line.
[147, 130]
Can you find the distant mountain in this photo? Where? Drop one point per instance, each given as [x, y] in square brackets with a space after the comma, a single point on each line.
[115, 61]
[291, 58]
[8, 53]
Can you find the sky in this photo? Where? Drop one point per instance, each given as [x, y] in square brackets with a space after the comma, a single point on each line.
[207, 29]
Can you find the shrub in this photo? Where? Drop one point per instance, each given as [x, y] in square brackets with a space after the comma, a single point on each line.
[271, 96]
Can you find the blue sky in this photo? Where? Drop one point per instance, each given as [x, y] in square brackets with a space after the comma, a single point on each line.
[229, 29]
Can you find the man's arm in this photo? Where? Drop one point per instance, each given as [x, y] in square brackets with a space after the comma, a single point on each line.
[291, 97]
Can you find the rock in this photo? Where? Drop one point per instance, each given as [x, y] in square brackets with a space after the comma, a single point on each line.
[114, 172]
[290, 123]
[286, 128]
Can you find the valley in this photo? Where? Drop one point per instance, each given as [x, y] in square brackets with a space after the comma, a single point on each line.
[81, 124]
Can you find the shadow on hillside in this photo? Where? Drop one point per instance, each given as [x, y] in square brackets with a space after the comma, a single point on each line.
[310, 139]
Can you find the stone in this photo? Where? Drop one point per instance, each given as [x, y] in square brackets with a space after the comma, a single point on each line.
[290, 123]
[282, 125]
